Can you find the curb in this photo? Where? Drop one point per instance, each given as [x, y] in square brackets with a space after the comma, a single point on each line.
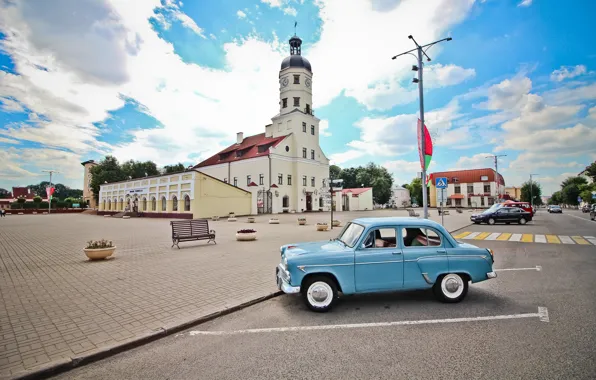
[64, 365]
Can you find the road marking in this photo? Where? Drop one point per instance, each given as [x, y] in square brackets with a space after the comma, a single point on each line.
[472, 235]
[580, 240]
[462, 235]
[537, 268]
[542, 316]
[482, 236]
[504, 236]
[540, 239]
[591, 239]
[566, 239]
[553, 239]
[515, 237]
[493, 236]
[526, 238]
[579, 217]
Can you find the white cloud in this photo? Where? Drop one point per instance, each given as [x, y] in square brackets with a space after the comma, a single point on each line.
[566, 72]
[240, 14]
[189, 23]
[290, 11]
[324, 128]
[9, 105]
[341, 158]
[446, 75]
[525, 3]
[272, 3]
[8, 141]
[592, 113]
[573, 95]
[404, 171]
[477, 161]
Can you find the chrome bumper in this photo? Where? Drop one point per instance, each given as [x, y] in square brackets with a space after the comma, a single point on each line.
[282, 277]
[491, 275]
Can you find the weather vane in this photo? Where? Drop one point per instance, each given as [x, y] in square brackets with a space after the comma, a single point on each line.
[295, 25]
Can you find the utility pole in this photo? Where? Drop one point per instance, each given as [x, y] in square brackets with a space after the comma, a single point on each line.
[531, 197]
[496, 158]
[49, 201]
[421, 51]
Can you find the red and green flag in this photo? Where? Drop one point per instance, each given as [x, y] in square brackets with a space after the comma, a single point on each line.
[49, 192]
[426, 156]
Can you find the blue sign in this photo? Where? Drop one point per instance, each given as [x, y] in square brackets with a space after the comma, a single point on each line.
[441, 183]
[594, 195]
[579, 199]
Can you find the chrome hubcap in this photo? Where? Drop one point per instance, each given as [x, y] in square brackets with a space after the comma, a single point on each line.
[452, 285]
[319, 293]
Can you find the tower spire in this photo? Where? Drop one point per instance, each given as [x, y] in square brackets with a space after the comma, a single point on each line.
[295, 25]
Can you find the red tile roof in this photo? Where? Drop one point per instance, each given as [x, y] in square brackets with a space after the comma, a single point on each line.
[22, 192]
[357, 191]
[468, 176]
[249, 147]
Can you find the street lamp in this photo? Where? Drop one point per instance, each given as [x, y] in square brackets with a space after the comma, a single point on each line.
[531, 197]
[419, 68]
[48, 194]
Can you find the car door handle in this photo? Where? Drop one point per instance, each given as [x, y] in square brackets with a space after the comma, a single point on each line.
[441, 251]
[396, 253]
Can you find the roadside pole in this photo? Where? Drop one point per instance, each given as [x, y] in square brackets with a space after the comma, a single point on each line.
[442, 201]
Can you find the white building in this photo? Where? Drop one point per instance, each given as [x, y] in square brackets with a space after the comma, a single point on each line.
[467, 188]
[284, 167]
[400, 197]
[359, 199]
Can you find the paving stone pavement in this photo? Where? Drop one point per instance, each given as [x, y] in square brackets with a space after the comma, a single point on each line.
[56, 305]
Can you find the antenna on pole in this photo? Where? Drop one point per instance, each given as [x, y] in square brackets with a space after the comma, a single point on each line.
[496, 158]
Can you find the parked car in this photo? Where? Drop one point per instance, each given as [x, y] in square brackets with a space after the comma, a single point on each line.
[593, 212]
[555, 209]
[505, 215]
[382, 254]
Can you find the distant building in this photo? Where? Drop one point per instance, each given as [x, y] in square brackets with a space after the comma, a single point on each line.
[468, 188]
[358, 199]
[513, 192]
[87, 191]
[19, 192]
[400, 197]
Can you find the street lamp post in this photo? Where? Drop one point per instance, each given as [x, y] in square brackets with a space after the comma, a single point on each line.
[420, 52]
[531, 196]
[49, 201]
[496, 158]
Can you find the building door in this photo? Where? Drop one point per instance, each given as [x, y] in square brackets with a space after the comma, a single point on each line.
[308, 202]
[264, 202]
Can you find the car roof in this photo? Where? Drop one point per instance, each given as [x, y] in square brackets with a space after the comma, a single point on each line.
[417, 222]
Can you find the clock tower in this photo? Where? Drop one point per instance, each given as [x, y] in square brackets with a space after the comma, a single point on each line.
[295, 81]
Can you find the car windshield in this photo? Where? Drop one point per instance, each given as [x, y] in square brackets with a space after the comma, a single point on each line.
[350, 235]
[493, 208]
[555, 207]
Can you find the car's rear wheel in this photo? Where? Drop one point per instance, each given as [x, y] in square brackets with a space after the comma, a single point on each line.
[523, 221]
[319, 293]
[491, 221]
[451, 288]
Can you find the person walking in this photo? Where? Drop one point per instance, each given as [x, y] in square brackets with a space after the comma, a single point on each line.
[2, 213]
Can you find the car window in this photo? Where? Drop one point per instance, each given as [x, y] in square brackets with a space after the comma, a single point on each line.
[381, 238]
[504, 210]
[350, 235]
[420, 237]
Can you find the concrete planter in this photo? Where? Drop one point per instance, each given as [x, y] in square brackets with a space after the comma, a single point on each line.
[322, 227]
[126, 217]
[107, 216]
[215, 218]
[251, 220]
[273, 221]
[249, 236]
[336, 223]
[230, 219]
[34, 212]
[20, 213]
[302, 222]
[99, 253]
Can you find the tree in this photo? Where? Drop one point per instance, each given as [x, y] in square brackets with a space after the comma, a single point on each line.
[536, 193]
[334, 171]
[108, 170]
[591, 171]
[137, 169]
[416, 190]
[586, 192]
[556, 198]
[179, 167]
[37, 199]
[61, 191]
[349, 177]
[570, 189]
[4, 193]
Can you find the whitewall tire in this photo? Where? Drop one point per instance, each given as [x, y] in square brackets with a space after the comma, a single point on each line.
[319, 293]
[451, 288]
[522, 221]
[491, 221]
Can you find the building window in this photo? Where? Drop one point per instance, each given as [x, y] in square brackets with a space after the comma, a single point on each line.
[304, 127]
[186, 203]
[144, 204]
[153, 204]
[469, 202]
[312, 181]
[303, 180]
[163, 204]
[284, 102]
[261, 179]
[280, 179]
[457, 189]
[312, 130]
[236, 181]
[458, 202]
[174, 203]
[487, 188]
[303, 152]
[296, 102]
[239, 153]
[247, 180]
[308, 109]
[289, 180]
[470, 189]
[285, 202]
[481, 201]
[312, 154]
[491, 201]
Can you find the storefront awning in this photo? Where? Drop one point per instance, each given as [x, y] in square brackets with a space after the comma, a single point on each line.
[456, 196]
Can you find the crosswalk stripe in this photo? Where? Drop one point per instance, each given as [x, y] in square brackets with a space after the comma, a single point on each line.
[482, 236]
[515, 237]
[589, 237]
[462, 235]
[553, 239]
[593, 241]
[540, 239]
[493, 236]
[527, 238]
[504, 236]
[580, 240]
[472, 235]
[566, 239]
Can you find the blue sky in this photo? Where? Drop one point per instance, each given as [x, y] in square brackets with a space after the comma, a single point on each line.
[173, 81]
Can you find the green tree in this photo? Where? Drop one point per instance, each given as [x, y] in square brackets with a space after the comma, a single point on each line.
[571, 189]
[4, 193]
[536, 193]
[334, 171]
[108, 170]
[37, 199]
[179, 167]
[61, 191]
[556, 198]
[591, 171]
[378, 178]
[349, 177]
[137, 169]
[415, 188]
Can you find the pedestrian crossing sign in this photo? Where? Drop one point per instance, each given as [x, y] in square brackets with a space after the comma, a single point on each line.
[441, 183]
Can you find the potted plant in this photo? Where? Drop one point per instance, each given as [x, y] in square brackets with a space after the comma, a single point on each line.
[232, 215]
[273, 221]
[215, 218]
[246, 235]
[302, 221]
[251, 219]
[322, 226]
[336, 223]
[99, 249]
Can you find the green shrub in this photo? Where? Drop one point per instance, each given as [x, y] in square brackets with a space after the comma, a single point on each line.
[62, 204]
[37, 199]
[21, 200]
[54, 200]
[16, 205]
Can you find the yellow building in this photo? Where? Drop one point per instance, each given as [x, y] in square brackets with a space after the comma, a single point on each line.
[193, 193]
[514, 192]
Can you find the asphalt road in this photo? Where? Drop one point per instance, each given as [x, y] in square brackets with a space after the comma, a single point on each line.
[524, 344]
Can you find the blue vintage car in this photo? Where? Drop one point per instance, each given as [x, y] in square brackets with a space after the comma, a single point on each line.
[382, 254]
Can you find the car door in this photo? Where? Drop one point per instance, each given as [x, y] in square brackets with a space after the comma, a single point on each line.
[515, 214]
[378, 261]
[503, 215]
[423, 260]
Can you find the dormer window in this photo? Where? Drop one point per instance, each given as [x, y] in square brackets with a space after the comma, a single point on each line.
[239, 153]
[296, 102]
[296, 79]
[224, 156]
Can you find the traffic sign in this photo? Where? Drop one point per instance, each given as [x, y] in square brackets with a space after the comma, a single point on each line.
[441, 183]
[441, 195]
[579, 199]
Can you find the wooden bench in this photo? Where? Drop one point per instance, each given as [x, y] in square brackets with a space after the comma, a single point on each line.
[192, 229]
[413, 213]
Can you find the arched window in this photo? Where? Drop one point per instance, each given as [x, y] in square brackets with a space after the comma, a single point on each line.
[163, 204]
[121, 204]
[109, 205]
[186, 203]
[153, 204]
[103, 205]
[174, 203]
[321, 202]
[144, 204]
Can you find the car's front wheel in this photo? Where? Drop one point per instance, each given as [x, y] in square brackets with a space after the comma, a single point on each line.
[319, 293]
[491, 221]
[523, 221]
[451, 288]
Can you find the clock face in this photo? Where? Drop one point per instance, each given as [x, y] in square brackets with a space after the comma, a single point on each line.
[284, 82]
[308, 83]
